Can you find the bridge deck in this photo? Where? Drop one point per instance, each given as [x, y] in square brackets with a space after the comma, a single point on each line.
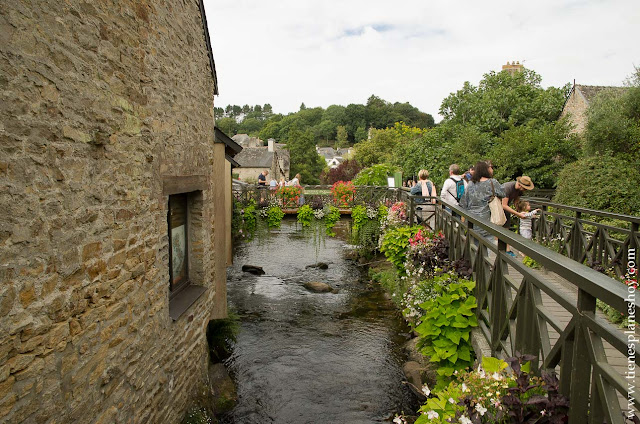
[562, 317]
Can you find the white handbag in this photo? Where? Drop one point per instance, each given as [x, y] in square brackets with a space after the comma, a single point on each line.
[495, 205]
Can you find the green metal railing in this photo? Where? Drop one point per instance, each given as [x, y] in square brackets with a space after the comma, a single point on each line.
[586, 235]
[317, 195]
[551, 315]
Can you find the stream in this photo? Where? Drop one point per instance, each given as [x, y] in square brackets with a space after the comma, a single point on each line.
[304, 357]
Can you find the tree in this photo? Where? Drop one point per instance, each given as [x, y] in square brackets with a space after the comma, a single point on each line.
[613, 125]
[228, 125]
[342, 137]
[503, 100]
[537, 151]
[303, 155]
[380, 147]
[246, 109]
[361, 134]
[251, 126]
[346, 171]
[302, 106]
[257, 108]
[325, 129]
[267, 108]
[356, 116]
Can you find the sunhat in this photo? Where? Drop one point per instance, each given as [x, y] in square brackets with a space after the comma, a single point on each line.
[525, 182]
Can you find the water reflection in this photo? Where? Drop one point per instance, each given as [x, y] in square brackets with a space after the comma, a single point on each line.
[304, 357]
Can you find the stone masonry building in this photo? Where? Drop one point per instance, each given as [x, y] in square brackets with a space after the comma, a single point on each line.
[112, 211]
[577, 103]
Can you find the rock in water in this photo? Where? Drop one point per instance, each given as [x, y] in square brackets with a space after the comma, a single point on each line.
[318, 287]
[256, 270]
[319, 265]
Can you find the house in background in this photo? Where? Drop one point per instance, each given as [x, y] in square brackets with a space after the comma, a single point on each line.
[334, 157]
[255, 158]
[577, 103]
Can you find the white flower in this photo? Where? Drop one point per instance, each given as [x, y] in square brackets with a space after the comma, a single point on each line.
[433, 415]
[465, 420]
[495, 402]
[496, 376]
[464, 388]
[451, 401]
[398, 420]
[543, 412]
[425, 390]
[481, 409]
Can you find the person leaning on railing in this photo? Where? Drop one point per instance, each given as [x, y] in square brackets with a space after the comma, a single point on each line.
[478, 193]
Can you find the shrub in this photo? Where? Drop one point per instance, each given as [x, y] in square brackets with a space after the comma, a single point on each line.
[346, 171]
[495, 394]
[331, 216]
[606, 183]
[375, 175]
[394, 245]
[305, 215]
[444, 329]
[274, 216]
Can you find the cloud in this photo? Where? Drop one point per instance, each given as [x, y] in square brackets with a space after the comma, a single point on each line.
[340, 52]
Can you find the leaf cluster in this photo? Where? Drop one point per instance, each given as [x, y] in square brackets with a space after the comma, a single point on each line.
[395, 243]
[274, 216]
[305, 215]
[444, 333]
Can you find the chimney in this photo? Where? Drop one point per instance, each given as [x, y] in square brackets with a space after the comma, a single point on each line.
[513, 67]
[271, 145]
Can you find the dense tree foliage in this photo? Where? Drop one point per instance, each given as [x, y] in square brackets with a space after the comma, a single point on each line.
[304, 158]
[353, 121]
[508, 118]
[602, 182]
[606, 178]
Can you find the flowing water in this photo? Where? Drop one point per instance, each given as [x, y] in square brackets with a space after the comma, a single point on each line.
[304, 357]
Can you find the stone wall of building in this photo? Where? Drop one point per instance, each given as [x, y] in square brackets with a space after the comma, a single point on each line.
[102, 106]
[575, 109]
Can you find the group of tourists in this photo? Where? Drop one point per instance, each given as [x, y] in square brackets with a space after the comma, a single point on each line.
[473, 191]
[273, 184]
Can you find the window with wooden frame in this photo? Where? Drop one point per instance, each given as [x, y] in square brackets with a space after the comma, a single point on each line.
[178, 220]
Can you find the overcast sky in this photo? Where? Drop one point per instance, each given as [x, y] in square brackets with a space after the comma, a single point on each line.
[324, 52]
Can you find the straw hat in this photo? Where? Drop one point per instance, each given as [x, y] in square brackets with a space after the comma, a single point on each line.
[525, 182]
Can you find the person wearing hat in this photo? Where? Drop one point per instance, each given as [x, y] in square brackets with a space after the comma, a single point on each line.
[514, 189]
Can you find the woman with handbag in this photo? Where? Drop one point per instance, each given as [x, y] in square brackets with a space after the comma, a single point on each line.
[482, 197]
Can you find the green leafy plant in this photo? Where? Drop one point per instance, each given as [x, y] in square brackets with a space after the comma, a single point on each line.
[274, 216]
[444, 330]
[331, 216]
[359, 217]
[343, 193]
[394, 245]
[530, 262]
[305, 215]
[375, 175]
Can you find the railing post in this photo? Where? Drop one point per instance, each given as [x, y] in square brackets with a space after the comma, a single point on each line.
[633, 243]
[412, 208]
[581, 372]
[542, 224]
[576, 237]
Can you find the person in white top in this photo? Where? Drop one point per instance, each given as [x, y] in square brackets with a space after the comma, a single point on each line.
[526, 220]
[454, 186]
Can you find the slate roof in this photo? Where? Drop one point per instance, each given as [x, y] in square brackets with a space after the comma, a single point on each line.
[255, 157]
[591, 91]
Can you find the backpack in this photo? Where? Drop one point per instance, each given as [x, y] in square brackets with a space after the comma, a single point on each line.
[459, 188]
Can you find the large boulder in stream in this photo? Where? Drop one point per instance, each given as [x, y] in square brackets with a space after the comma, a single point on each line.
[318, 287]
[255, 270]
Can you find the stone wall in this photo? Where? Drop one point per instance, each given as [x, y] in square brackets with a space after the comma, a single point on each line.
[575, 109]
[102, 103]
